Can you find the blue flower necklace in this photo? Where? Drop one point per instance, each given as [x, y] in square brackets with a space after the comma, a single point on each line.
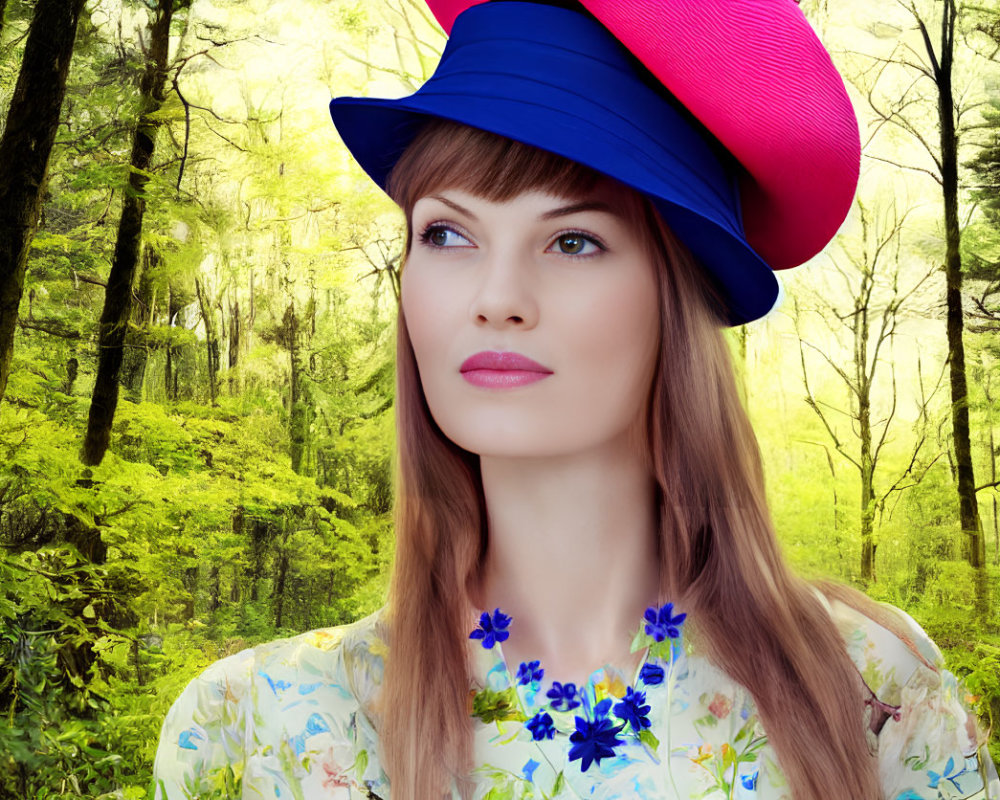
[605, 721]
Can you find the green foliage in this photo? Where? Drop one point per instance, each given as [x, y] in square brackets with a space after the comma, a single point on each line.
[199, 519]
[53, 607]
[978, 666]
[491, 705]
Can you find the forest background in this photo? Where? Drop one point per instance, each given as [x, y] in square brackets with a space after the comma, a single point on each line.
[197, 299]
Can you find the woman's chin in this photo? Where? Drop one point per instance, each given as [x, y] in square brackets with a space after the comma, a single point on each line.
[529, 442]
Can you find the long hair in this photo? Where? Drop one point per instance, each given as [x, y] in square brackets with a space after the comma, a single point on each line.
[755, 620]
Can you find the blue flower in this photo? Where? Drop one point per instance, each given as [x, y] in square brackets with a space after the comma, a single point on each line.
[541, 726]
[528, 770]
[651, 674]
[276, 685]
[316, 724]
[601, 709]
[950, 774]
[593, 741]
[661, 624]
[187, 739]
[491, 629]
[749, 781]
[560, 693]
[632, 709]
[526, 673]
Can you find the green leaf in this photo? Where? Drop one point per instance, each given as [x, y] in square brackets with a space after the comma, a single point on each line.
[492, 706]
[728, 756]
[503, 792]
[360, 764]
[666, 651]
[647, 737]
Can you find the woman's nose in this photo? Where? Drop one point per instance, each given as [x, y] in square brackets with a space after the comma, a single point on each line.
[504, 295]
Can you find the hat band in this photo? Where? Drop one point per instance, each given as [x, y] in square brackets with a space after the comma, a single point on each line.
[588, 75]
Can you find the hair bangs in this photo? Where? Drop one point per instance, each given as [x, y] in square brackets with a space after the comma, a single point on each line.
[449, 155]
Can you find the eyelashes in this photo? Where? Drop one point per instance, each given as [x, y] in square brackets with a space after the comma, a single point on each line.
[430, 230]
[427, 235]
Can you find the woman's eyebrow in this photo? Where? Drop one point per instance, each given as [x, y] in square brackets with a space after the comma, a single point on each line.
[591, 205]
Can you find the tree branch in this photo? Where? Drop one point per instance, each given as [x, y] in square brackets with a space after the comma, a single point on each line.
[51, 327]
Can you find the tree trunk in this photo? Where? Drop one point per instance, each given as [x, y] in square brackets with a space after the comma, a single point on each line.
[234, 590]
[215, 588]
[281, 578]
[114, 318]
[72, 369]
[3, 14]
[190, 582]
[864, 383]
[251, 317]
[996, 533]
[299, 410]
[211, 340]
[868, 544]
[279, 588]
[170, 367]
[86, 539]
[991, 449]
[234, 346]
[297, 433]
[140, 676]
[993, 480]
[32, 121]
[973, 547]
[136, 354]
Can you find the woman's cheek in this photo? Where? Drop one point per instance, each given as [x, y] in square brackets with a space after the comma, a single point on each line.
[430, 312]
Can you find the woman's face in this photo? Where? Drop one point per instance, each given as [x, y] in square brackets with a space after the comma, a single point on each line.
[563, 289]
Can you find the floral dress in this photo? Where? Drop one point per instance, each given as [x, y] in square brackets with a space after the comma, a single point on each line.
[290, 719]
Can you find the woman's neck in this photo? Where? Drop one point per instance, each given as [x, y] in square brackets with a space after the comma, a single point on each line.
[572, 557]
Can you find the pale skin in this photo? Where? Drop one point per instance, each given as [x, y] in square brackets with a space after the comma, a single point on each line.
[572, 519]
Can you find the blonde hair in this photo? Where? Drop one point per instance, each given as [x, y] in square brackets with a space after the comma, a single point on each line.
[758, 622]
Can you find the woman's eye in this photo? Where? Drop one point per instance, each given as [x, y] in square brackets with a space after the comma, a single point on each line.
[438, 236]
[575, 244]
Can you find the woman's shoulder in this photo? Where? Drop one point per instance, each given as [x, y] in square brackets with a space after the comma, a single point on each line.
[289, 699]
[354, 637]
[349, 655]
[886, 644]
[926, 737]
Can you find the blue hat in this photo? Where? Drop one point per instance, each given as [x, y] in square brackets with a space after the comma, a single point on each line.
[558, 80]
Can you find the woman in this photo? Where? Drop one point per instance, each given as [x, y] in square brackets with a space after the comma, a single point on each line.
[587, 598]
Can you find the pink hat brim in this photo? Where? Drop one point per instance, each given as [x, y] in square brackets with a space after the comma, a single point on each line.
[757, 76]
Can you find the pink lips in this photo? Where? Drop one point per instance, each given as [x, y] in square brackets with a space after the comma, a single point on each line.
[501, 370]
